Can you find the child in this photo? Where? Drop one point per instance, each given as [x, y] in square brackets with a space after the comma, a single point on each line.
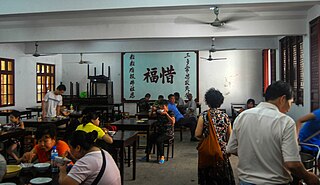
[13, 142]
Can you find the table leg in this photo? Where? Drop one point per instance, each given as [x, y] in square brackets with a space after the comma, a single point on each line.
[122, 162]
[148, 133]
[134, 154]
[129, 155]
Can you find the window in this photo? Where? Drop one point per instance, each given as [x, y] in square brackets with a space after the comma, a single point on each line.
[314, 63]
[291, 58]
[45, 80]
[7, 82]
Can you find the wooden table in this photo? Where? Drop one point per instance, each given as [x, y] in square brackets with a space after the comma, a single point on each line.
[121, 140]
[132, 124]
[36, 109]
[25, 177]
[36, 122]
[7, 112]
[14, 133]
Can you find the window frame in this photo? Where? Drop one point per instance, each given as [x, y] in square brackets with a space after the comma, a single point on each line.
[292, 65]
[7, 73]
[42, 73]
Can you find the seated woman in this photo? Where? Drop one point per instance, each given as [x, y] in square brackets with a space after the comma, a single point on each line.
[91, 122]
[94, 165]
[13, 143]
[250, 104]
[164, 130]
[46, 135]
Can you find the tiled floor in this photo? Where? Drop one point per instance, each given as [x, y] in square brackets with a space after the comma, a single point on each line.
[181, 170]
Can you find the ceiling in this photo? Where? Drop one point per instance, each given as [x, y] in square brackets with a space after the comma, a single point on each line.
[61, 26]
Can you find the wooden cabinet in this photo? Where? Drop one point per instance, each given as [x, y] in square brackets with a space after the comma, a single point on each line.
[314, 63]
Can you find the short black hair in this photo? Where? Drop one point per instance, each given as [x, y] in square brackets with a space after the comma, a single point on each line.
[170, 95]
[278, 89]
[15, 114]
[251, 101]
[213, 98]
[148, 95]
[164, 102]
[177, 94]
[84, 140]
[61, 87]
[46, 129]
[160, 97]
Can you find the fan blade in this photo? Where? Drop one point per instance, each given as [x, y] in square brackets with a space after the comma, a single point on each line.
[186, 20]
[219, 59]
[239, 15]
[204, 58]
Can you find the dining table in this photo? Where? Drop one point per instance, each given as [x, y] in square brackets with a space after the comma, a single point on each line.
[58, 121]
[36, 109]
[17, 133]
[134, 124]
[121, 140]
[8, 112]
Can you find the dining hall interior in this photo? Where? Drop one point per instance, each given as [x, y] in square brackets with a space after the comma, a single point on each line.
[236, 47]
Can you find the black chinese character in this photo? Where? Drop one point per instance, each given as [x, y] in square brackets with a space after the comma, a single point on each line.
[169, 74]
[132, 76]
[131, 70]
[151, 75]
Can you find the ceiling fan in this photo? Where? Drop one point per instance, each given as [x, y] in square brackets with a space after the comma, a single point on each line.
[83, 61]
[213, 49]
[217, 23]
[36, 52]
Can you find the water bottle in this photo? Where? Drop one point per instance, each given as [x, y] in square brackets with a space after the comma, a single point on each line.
[54, 154]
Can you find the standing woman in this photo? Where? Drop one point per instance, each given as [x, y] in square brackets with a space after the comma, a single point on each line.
[93, 165]
[215, 125]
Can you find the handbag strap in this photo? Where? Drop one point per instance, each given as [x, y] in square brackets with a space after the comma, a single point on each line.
[96, 181]
[211, 123]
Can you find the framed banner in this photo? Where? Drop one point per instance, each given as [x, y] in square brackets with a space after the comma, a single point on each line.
[159, 73]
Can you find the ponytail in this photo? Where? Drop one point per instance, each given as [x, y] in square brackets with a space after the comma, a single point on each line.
[83, 139]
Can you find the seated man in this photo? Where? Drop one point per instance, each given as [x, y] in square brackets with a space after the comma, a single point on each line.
[143, 103]
[180, 120]
[309, 132]
[179, 103]
[191, 109]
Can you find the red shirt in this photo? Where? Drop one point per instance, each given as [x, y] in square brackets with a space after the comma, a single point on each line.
[44, 156]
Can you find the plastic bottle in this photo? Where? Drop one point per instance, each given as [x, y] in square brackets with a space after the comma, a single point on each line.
[71, 107]
[54, 153]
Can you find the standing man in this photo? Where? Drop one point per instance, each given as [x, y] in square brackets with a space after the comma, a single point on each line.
[52, 102]
[265, 140]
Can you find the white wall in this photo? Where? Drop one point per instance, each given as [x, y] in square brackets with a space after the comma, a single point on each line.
[238, 78]
[25, 74]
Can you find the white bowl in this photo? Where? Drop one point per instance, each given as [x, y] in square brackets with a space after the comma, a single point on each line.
[111, 133]
[26, 166]
[61, 160]
[41, 180]
[42, 167]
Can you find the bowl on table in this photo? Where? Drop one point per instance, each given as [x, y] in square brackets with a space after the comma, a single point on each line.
[42, 167]
[41, 180]
[12, 171]
[26, 166]
[61, 160]
[8, 183]
[111, 133]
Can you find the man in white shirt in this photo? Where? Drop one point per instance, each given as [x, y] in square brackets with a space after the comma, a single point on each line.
[52, 102]
[265, 140]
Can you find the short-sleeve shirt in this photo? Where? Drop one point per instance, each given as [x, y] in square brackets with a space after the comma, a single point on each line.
[44, 156]
[89, 127]
[53, 101]
[264, 139]
[172, 107]
[310, 128]
[86, 169]
[163, 124]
